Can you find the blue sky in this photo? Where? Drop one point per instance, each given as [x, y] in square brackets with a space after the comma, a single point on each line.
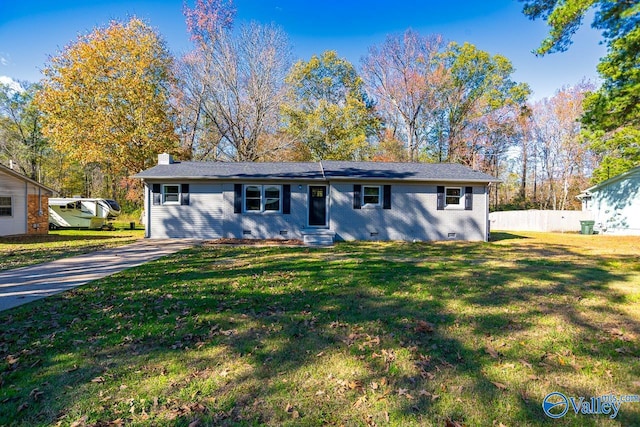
[31, 31]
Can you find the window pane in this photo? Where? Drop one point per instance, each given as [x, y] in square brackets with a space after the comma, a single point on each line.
[272, 205]
[452, 200]
[272, 198]
[272, 192]
[252, 204]
[171, 193]
[252, 191]
[371, 195]
[252, 198]
[5, 211]
[453, 196]
[5, 201]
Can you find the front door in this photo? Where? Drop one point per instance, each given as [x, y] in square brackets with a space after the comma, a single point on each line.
[318, 205]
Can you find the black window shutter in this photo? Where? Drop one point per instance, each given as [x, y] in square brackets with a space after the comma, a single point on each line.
[357, 199]
[184, 194]
[237, 198]
[440, 197]
[157, 197]
[386, 199]
[286, 199]
[468, 198]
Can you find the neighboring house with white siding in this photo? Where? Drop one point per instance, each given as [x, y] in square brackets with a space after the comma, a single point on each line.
[24, 207]
[316, 201]
[615, 203]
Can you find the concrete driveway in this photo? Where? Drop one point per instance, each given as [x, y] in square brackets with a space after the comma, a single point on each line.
[22, 285]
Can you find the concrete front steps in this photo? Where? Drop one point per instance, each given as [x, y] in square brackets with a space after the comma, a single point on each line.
[318, 236]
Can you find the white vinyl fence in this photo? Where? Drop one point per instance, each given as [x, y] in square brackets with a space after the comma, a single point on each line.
[538, 220]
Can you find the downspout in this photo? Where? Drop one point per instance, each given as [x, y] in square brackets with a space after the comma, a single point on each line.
[487, 230]
[147, 211]
[26, 207]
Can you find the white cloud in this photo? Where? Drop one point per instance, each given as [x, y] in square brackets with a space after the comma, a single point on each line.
[14, 85]
[4, 58]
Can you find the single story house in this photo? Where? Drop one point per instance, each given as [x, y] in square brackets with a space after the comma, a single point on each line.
[615, 203]
[317, 202]
[24, 207]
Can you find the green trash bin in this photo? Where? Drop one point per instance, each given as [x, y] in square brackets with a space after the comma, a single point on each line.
[586, 227]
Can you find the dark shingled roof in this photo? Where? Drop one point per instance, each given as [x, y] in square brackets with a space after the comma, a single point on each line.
[403, 171]
[324, 170]
[235, 170]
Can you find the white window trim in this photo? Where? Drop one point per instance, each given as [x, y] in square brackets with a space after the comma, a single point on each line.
[460, 204]
[263, 199]
[10, 206]
[163, 194]
[372, 205]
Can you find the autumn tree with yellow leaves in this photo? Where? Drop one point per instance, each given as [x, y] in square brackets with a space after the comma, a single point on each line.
[105, 98]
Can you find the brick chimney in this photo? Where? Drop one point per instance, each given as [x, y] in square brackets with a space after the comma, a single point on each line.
[165, 159]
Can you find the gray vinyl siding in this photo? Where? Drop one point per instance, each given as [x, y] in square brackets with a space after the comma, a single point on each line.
[616, 204]
[17, 190]
[202, 219]
[413, 215]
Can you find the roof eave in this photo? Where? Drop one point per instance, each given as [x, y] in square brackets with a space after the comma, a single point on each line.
[15, 174]
[346, 178]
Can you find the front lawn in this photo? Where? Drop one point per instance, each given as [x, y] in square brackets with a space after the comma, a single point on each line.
[442, 334]
[20, 251]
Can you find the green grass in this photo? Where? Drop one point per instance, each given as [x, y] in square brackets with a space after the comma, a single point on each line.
[20, 251]
[358, 334]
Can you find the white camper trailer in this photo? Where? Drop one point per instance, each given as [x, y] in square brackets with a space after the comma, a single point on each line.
[81, 212]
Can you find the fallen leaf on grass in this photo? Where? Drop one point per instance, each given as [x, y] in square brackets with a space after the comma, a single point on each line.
[35, 394]
[98, 380]
[452, 423]
[353, 385]
[492, 352]
[525, 363]
[361, 401]
[423, 326]
[405, 392]
[79, 422]
[499, 385]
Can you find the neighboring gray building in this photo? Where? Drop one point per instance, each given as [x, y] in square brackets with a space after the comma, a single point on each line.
[615, 203]
[316, 201]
